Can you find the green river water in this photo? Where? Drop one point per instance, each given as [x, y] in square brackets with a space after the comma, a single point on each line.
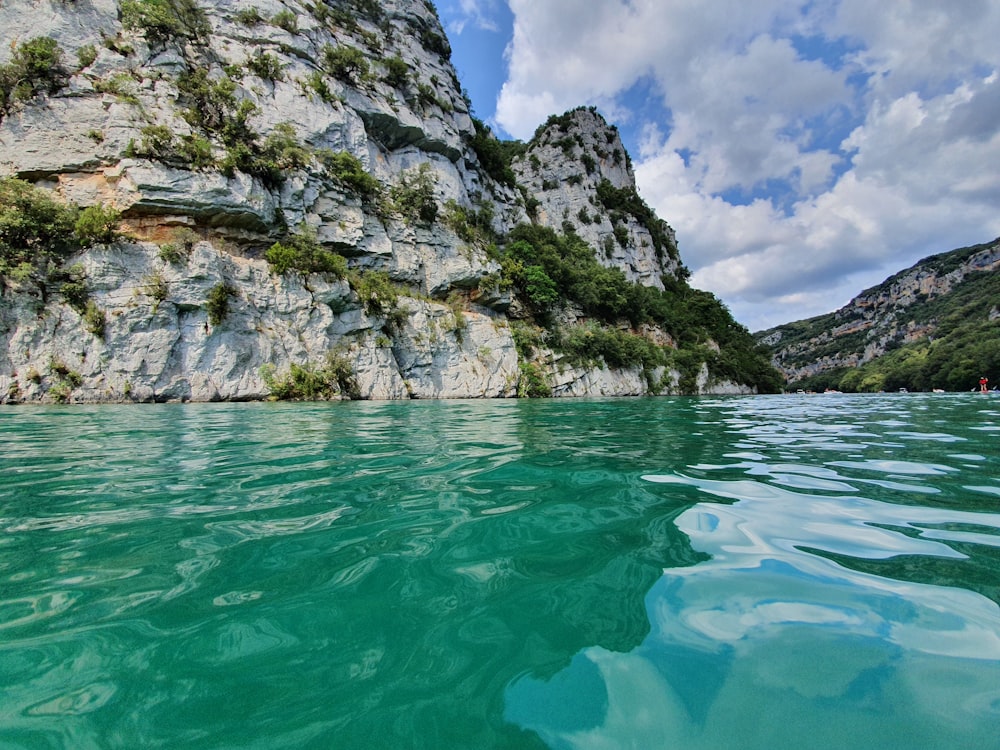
[762, 572]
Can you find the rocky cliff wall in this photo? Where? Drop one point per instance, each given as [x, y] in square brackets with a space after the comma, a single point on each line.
[877, 319]
[219, 128]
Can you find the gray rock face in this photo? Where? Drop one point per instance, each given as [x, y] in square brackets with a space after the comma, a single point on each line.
[135, 128]
[565, 166]
[877, 319]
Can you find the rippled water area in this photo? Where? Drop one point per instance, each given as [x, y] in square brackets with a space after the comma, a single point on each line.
[720, 573]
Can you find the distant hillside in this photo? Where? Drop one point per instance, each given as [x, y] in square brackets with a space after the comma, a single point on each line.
[934, 325]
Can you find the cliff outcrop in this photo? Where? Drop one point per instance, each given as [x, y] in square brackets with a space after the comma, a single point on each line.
[916, 304]
[303, 206]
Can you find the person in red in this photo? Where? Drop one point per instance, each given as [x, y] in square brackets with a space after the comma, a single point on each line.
[983, 381]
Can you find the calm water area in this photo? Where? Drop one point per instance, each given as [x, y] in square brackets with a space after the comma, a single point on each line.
[742, 572]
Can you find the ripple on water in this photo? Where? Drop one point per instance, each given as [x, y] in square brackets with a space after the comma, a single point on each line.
[790, 572]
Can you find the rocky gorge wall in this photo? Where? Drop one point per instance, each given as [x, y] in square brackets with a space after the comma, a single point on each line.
[225, 127]
[880, 318]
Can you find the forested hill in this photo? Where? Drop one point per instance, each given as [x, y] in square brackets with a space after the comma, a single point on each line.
[933, 325]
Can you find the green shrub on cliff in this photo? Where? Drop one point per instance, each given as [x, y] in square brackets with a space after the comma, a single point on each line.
[97, 225]
[217, 304]
[302, 253]
[413, 195]
[310, 382]
[548, 269]
[347, 64]
[36, 232]
[35, 67]
[165, 20]
[349, 172]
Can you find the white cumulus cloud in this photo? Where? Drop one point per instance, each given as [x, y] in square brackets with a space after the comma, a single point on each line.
[804, 149]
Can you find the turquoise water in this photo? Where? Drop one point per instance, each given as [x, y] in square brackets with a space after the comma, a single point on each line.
[765, 572]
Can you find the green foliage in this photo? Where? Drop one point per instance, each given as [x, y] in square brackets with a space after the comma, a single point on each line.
[347, 64]
[86, 55]
[94, 319]
[157, 143]
[73, 288]
[691, 316]
[397, 72]
[539, 288]
[527, 338]
[287, 20]
[282, 148]
[121, 85]
[36, 232]
[333, 379]
[180, 248]
[413, 196]
[97, 224]
[155, 286]
[35, 67]
[266, 66]
[269, 161]
[687, 361]
[627, 200]
[378, 295]
[493, 156]
[66, 379]
[621, 235]
[196, 151]
[303, 254]
[589, 344]
[350, 173]
[532, 382]
[435, 42]
[316, 83]
[166, 20]
[212, 101]
[471, 225]
[217, 304]
[248, 17]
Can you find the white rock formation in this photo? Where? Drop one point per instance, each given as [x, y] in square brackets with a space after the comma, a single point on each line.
[395, 106]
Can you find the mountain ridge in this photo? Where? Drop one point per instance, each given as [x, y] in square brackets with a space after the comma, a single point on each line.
[915, 314]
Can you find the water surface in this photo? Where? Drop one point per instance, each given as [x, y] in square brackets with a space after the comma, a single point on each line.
[764, 572]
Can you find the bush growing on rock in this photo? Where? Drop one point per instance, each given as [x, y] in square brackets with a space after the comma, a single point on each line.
[377, 293]
[36, 232]
[165, 20]
[302, 253]
[285, 19]
[35, 67]
[217, 304]
[308, 382]
[346, 64]
[86, 55]
[397, 71]
[349, 172]
[97, 224]
[413, 196]
[266, 66]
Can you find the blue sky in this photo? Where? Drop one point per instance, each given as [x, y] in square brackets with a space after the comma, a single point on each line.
[803, 150]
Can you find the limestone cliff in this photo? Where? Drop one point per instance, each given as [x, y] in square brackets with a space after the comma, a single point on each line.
[227, 136]
[908, 307]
